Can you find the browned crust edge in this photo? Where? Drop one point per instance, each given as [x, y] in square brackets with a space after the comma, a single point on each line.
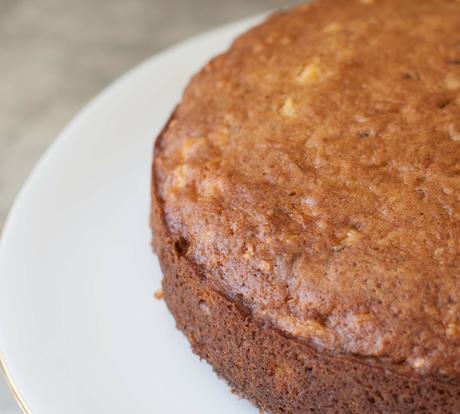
[275, 372]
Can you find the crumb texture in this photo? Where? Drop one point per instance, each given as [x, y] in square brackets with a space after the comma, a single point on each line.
[312, 173]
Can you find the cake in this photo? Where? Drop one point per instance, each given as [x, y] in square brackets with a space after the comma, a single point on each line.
[305, 209]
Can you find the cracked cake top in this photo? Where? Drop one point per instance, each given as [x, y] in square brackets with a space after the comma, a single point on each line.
[313, 173]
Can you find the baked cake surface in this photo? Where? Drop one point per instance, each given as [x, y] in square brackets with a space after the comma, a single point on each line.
[311, 175]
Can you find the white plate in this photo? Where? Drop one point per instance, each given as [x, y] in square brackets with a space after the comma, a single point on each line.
[80, 331]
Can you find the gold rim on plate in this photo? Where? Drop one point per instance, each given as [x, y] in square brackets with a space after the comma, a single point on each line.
[13, 389]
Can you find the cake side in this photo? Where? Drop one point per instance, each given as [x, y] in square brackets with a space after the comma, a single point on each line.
[277, 372]
[312, 174]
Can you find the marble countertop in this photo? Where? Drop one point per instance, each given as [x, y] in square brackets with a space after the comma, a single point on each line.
[56, 55]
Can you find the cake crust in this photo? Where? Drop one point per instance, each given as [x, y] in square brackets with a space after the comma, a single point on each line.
[310, 175]
[277, 372]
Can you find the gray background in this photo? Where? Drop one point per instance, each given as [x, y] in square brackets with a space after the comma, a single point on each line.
[55, 55]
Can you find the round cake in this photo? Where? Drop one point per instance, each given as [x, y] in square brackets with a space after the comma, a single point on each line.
[306, 209]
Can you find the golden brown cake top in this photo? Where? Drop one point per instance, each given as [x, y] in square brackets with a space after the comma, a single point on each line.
[313, 173]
